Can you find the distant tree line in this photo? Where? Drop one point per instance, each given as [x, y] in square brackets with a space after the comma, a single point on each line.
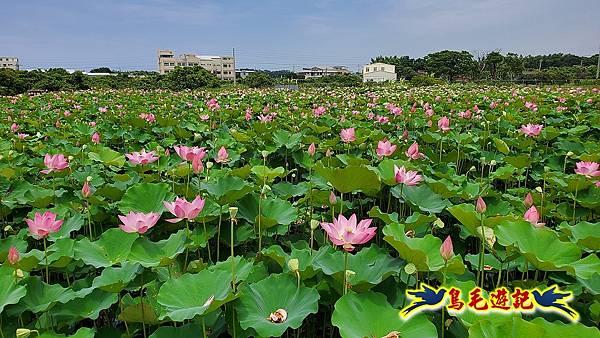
[464, 66]
[444, 65]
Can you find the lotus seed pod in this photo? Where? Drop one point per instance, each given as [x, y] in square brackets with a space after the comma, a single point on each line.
[539, 189]
[70, 158]
[314, 224]
[493, 162]
[570, 153]
[24, 333]
[293, 264]
[89, 178]
[233, 212]
[209, 165]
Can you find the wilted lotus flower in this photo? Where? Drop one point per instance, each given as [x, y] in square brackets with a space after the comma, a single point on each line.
[444, 124]
[347, 233]
[348, 135]
[413, 152]
[56, 162]
[43, 224]
[531, 130]
[138, 221]
[587, 169]
[532, 216]
[142, 157]
[96, 138]
[278, 316]
[184, 209]
[13, 255]
[385, 148]
[222, 156]
[403, 176]
[446, 250]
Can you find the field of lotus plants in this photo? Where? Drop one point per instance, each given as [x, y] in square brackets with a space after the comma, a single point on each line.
[310, 213]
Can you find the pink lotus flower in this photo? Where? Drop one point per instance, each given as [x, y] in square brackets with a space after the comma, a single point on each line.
[532, 216]
[103, 109]
[14, 127]
[444, 124]
[480, 205]
[148, 117]
[184, 209]
[385, 148]
[587, 169]
[138, 221]
[312, 149]
[597, 184]
[528, 200]
[22, 136]
[43, 224]
[447, 250]
[190, 153]
[248, 114]
[347, 233]
[413, 152]
[142, 157]
[222, 156]
[212, 104]
[265, 118]
[409, 178]
[86, 190]
[531, 105]
[56, 162]
[347, 135]
[13, 255]
[96, 138]
[531, 130]
[319, 111]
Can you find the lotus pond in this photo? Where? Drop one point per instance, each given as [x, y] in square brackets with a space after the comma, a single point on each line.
[310, 213]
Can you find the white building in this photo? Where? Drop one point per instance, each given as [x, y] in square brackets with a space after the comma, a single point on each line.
[10, 62]
[222, 66]
[321, 71]
[379, 72]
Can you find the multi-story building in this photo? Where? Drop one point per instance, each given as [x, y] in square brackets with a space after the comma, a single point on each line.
[321, 71]
[222, 66]
[379, 72]
[9, 62]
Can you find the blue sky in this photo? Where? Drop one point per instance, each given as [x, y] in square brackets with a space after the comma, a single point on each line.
[272, 34]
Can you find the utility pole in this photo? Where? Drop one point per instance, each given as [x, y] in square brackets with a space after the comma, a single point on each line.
[598, 66]
[234, 71]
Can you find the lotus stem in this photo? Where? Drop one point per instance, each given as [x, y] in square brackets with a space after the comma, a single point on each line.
[345, 272]
[259, 218]
[232, 257]
[187, 185]
[499, 276]
[219, 231]
[207, 241]
[480, 275]
[443, 307]
[575, 201]
[46, 258]
[441, 143]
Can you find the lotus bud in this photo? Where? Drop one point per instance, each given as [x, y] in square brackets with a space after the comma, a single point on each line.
[13, 255]
[311, 149]
[233, 212]
[539, 189]
[480, 206]
[293, 264]
[86, 191]
[314, 224]
[528, 200]
[332, 198]
[209, 165]
[446, 250]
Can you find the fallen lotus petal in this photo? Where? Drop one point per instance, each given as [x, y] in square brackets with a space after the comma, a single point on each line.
[279, 316]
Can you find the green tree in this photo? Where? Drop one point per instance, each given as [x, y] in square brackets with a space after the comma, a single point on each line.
[493, 60]
[451, 64]
[511, 67]
[258, 80]
[190, 78]
[101, 70]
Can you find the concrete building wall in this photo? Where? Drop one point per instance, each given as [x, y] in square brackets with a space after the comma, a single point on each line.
[222, 66]
[10, 62]
[379, 72]
[315, 72]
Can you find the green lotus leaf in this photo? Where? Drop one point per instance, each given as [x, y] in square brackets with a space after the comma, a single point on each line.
[161, 253]
[41, 296]
[61, 253]
[534, 242]
[536, 328]
[501, 146]
[305, 258]
[115, 279]
[287, 189]
[351, 179]
[274, 211]
[585, 234]
[370, 315]
[72, 223]
[83, 332]
[422, 197]
[145, 197]
[267, 174]
[423, 252]
[139, 313]
[259, 300]
[107, 156]
[227, 189]
[371, 266]
[282, 137]
[243, 267]
[76, 309]
[111, 248]
[190, 295]
[10, 292]
[23, 193]
[184, 331]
